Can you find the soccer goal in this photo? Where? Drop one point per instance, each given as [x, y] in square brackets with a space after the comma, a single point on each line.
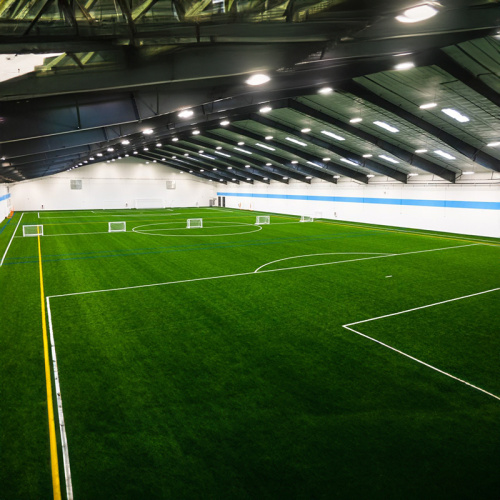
[306, 218]
[32, 230]
[262, 219]
[150, 203]
[117, 226]
[194, 223]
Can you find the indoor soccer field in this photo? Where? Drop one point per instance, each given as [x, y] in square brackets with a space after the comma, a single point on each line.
[316, 359]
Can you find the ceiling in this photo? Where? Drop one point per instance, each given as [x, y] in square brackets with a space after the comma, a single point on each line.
[117, 73]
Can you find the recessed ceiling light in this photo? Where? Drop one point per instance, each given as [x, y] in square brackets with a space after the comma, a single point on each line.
[404, 65]
[218, 148]
[444, 154]
[214, 169]
[268, 164]
[125, 142]
[230, 168]
[367, 156]
[146, 149]
[332, 135]
[325, 90]
[386, 126]
[295, 141]
[186, 113]
[91, 158]
[202, 170]
[355, 120]
[257, 79]
[154, 161]
[241, 143]
[110, 149]
[196, 132]
[175, 139]
[265, 109]
[147, 163]
[428, 105]
[224, 123]
[326, 159]
[345, 160]
[158, 144]
[163, 159]
[268, 137]
[417, 14]
[247, 166]
[421, 151]
[190, 171]
[147, 131]
[388, 158]
[456, 115]
[201, 151]
[99, 154]
[135, 152]
[174, 157]
[493, 144]
[305, 130]
[186, 154]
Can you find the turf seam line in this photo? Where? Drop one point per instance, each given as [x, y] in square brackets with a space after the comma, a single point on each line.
[10, 242]
[254, 273]
[348, 327]
[62, 425]
[56, 485]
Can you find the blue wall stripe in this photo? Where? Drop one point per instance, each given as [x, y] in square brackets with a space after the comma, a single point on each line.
[482, 205]
[5, 197]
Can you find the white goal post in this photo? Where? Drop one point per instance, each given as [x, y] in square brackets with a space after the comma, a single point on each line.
[117, 226]
[32, 230]
[262, 219]
[194, 223]
[150, 203]
[306, 218]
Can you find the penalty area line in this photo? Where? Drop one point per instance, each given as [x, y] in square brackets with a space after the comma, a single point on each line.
[432, 367]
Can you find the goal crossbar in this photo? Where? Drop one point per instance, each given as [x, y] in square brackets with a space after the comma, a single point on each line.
[32, 230]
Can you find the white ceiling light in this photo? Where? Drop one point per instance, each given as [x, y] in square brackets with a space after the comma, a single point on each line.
[196, 132]
[230, 168]
[244, 150]
[110, 149]
[404, 66]
[285, 178]
[467, 173]
[421, 151]
[332, 135]
[456, 115]
[295, 141]
[325, 90]
[248, 179]
[444, 154]
[224, 123]
[326, 159]
[190, 171]
[147, 131]
[99, 154]
[214, 169]
[247, 166]
[175, 139]
[367, 156]
[186, 113]
[201, 151]
[223, 154]
[208, 156]
[135, 152]
[92, 158]
[412, 174]
[388, 158]
[336, 176]
[308, 177]
[186, 154]
[345, 160]
[146, 149]
[386, 126]
[265, 109]
[125, 142]
[355, 120]
[158, 144]
[493, 144]
[258, 79]
[370, 176]
[241, 143]
[268, 164]
[417, 14]
[174, 157]
[268, 138]
[202, 170]
[295, 162]
[266, 178]
[428, 105]
[305, 130]
[218, 148]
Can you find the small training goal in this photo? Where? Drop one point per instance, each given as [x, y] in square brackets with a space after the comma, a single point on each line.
[191, 223]
[117, 226]
[262, 219]
[306, 218]
[32, 230]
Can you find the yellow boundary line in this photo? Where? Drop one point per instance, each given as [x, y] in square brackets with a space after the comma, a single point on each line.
[56, 485]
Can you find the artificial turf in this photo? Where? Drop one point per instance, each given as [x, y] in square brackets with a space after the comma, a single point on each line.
[245, 384]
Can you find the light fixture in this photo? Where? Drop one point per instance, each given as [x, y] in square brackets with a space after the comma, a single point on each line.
[99, 154]
[412, 174]
[456, 115]
[125, 142]
[244, 150]
[163, 159]
[110, 149]
[355, 120]
[332, 135]
[467, 173]
[218, 148]
[428, 105]
[147, 163]
[420, 150]
[230, 168]
[404, 66]
[186, 113]
[248, 179]
[313, 164]
[135, 152]
[308, 177]
[175, 139]
[241, 143]
[295, 141]
[91, 158]
[158, 144]
[326, 159]
[186, 154]
[196, 132]
[190, 171]
[345, 160]
[214, 169]
[285, 178]
[388, 158]
[233, 179]
[174, 157]
[295, 162]
[202, 170]
[305, 130]
[201, 151]
[266, 178]
[224, 123]
[257, 79]
[146, 149]
[367, 155]
[147, 131]
[247, 166]
[444, 154]
[493, 144]
[386, 126]
[370, 176]
[265, 109]
[417, 14]
[268, 138]
[127, 155]
[268, 164]
[223, 154]
[336, 176]
[325, 90]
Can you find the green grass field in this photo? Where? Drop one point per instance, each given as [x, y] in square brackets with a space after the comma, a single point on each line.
[214, 362]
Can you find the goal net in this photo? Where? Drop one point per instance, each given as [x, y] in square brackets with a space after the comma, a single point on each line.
[262, 219]
[306, 218]
[150, 203]
[117, 226]
[32, 230]
[194, 223]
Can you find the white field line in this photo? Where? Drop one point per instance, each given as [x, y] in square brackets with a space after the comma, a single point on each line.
[62, 426]
[254, 273]
[224, 225]
[186, 235]
[77, 234]
[10, 242]
[348, 327]
[317, 254]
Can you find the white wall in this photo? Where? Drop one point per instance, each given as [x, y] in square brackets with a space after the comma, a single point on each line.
[5, 202]
[484, 222]
[112, 185]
